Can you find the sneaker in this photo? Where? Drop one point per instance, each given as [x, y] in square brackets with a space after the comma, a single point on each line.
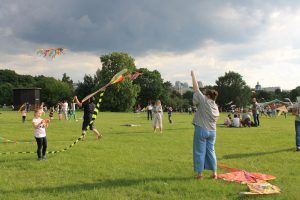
[39, 159]
[298, 149]
[44, 158]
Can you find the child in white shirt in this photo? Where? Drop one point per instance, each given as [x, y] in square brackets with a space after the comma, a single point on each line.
[40, 126]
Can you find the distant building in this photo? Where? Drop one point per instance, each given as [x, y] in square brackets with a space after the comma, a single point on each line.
[271, 89]
[267, 89]
[26, 95]
[182, 88]
[75, 85]
[200, 84]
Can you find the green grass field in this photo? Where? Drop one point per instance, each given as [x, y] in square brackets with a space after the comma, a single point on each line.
[135, 163]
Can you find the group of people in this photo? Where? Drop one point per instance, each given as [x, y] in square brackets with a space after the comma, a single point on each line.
[244, 119]
[205, 119]
[40, 124]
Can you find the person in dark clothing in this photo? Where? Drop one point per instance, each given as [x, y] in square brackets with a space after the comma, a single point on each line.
[170, 110]
[149, 110]
[88, 108]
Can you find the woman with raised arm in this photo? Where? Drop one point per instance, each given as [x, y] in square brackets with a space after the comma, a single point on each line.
[204, 130]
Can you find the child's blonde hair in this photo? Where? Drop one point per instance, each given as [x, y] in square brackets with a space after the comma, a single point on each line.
[37, 110]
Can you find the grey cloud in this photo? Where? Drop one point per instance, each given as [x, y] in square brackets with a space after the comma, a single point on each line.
[132, 26]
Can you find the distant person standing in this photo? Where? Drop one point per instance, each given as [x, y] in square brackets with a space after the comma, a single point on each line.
[190, 110]
[65, 108]
[73, 111]
[170, 110]
[27, 107]
[24, 113]
[255, 112]
[204, 121]
[149, 110]
[51, 113]
[296, 112]
[157, 116]
[59, 110]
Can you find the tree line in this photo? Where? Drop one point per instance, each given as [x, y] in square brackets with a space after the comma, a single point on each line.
[126, 95]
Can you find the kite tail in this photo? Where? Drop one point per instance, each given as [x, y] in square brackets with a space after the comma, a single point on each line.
[94, 116]
[97, 108]
[6, 140]
[223, 166]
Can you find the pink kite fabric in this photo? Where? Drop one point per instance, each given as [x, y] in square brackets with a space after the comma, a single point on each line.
[256, 182]
[245, 177]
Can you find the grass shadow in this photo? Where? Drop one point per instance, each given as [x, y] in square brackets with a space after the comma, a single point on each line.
[245, 155]
[105, 183]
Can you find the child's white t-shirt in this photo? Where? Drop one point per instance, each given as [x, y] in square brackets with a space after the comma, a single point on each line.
[236, 122]
[40, 131]
[24, 113]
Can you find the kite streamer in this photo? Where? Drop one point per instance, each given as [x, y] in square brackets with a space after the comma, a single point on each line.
[134, 76]
[94, 116]
[51, 53]
[5, 140]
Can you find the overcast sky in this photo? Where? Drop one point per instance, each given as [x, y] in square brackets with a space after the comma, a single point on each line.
[258, 39]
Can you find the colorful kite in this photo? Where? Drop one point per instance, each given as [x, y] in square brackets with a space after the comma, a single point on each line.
[116, 78]
[51, 53]
[119, 77]
[256, 182]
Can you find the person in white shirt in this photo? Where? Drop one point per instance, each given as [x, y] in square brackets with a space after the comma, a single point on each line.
[65, 109]
[236, 121]
[24, 113]
[40, 126]
[205, 124]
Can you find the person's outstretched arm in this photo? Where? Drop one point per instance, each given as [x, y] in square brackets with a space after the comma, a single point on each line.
[77, 101]
[195, 83]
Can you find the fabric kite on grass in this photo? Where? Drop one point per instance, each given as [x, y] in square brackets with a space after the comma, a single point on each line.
[256, 182]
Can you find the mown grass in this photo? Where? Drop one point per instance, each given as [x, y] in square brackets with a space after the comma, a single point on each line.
[135, 163]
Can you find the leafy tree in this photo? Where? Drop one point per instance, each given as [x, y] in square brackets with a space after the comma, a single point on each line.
[167, 91]
[6, 92]
[86, 87]
[68, 80]
[188, 95]
[264, 96]
[152, 87]
[121, 96]
[295, 93]
[52, 90]
[232, 87]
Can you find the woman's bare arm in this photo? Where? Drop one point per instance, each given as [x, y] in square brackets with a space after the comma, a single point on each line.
[195, 83]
